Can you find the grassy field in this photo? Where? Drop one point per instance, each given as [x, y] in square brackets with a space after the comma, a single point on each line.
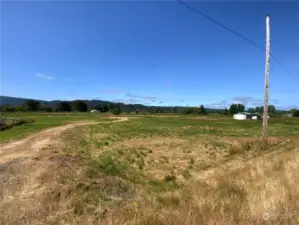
[164, 170]
[43, 121]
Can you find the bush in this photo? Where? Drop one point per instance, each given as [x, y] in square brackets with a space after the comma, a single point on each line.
[296, 113]
[116, 111]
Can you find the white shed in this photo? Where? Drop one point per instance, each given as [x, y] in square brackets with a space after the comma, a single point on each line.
[240, 116]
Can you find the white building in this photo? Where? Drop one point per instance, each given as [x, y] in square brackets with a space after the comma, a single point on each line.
[240, 116]
[94, 111]
[246, 116]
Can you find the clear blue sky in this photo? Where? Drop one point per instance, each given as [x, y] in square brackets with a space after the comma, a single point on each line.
[149, 52]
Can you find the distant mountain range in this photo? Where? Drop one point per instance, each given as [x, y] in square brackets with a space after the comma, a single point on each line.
[16, 101]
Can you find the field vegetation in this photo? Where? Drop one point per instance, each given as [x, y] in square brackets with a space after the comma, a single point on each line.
[156, 170]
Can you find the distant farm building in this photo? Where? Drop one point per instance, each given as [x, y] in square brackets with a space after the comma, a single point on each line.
[246, 116]
[94, 111]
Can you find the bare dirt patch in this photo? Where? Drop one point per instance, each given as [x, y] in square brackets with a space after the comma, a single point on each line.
[31, 145]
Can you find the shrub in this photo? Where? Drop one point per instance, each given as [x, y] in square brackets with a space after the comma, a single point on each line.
[116, 111]
[296, 113]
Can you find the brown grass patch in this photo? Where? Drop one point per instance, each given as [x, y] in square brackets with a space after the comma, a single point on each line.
[261, 191]
[162, 155]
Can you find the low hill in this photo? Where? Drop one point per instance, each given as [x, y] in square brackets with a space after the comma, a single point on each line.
[16, 101]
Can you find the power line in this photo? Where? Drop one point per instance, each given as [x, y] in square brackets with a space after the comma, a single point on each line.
[239, 35]
[284, 68]
[222, 25]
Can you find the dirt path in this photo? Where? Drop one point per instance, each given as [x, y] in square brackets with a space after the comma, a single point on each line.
[31, 145]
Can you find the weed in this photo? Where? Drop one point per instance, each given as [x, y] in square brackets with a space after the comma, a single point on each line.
[170, 177]
[161, 186]
[101, 144]
[120, 151]
[109, 164]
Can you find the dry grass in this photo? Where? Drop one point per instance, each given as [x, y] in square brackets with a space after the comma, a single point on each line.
[263, 190]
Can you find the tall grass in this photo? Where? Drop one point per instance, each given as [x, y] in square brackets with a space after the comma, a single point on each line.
[261, 191]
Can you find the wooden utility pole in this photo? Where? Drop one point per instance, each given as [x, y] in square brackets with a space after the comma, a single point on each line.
[267, 70]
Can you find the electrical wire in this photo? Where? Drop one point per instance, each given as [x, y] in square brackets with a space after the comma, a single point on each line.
[240, 36]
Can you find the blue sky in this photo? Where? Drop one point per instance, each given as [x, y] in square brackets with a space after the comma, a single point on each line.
[149, 52]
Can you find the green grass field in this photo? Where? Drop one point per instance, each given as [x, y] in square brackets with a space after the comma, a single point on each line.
[195, 125]
[162, 169]
[43, 121]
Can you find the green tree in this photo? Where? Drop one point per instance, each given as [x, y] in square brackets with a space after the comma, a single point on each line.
[63, 106]
[116, 111]
[105, 108]
[46, 108]
[235, 108]
[251, 110]
[32, 105]
[259, 109]
[22, 108]
[202, 110]
[225, 111]
[111, 106]
[271, 109]
[296, 113]
[241, 108]
[196, 110]
[292, 111]
[188, 110]
[79, 106]
[98, 107]
[8, 108]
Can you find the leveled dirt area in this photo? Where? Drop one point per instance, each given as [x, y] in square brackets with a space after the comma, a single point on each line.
[31, 145]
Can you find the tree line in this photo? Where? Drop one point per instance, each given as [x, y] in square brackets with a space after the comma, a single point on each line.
[32, 105]
[84, 106]
[236, 108]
